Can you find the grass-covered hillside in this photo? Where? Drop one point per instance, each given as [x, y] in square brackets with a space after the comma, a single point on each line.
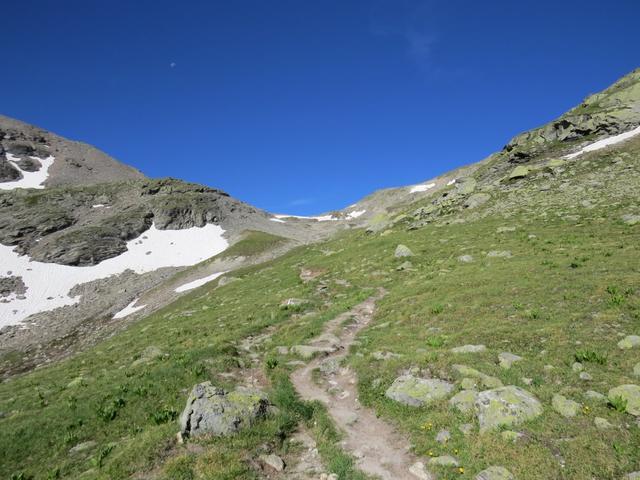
[542, 264]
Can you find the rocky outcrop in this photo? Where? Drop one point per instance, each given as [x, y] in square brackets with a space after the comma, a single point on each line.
[505, 406]
[213, 411]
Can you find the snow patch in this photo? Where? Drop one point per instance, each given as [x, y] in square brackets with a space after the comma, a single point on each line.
[605, 143]
[321, 218]
[98, 205]
[279, 220]
[422, 188]
[49, 284]
[451, 182]
[129, 309]
[29, 179]
[199, 282]
[356, 213]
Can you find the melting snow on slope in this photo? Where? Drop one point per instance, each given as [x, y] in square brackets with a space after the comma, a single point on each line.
[129, 309]
[29, 179]
[605, 143]
[451, 182]
[199, 282]
[48, 284]
[321, 218]
[422, 188]
[356, 213]
[278, 220]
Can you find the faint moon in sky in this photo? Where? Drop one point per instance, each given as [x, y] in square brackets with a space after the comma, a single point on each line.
[172, 64]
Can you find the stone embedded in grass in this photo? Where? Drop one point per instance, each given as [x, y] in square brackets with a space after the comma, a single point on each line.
[519, 172]
[403, 251]
[465, 258]
[505, 229]
[379, 355]
[577, 367]
[593, 395]
[499, 254]
[630, 219]
[466, 429]
[416, 392]
[511, 436]
[564, 406]
[636, 370]
[630, 394]
[468, 384]
[443, 436]
[585, 376]
[486, 380]
[476, 200]
[419, 471]
[148, 355]
[213, 411]
[273, 461]
[405, 266]
[77, 382]
[82, 447]
[495, 473]
[632, 476]
[469, 349]
[464, 401]
[308, 351]
[505, 406]
[444, 461]
[507, 359]
[630, 341]
[601, 423]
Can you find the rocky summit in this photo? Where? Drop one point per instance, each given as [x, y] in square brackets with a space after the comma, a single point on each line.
[482, 324]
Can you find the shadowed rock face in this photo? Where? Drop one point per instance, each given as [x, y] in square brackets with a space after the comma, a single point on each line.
[8, 173]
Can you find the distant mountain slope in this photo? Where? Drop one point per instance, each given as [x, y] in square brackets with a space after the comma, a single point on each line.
[74, 163]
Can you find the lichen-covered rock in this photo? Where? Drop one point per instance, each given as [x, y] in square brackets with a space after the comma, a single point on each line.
[519, 172]
[308, 351]
[506, 406]
[149, 354]
[630, 219]
[213, 411]
[507, 359]
[443, 436]
[632, 476]
[636, 369]
[630, 341]
[476, 200]
[499, 254]
[596, 396]
[495, 473]
[465, 258]
[273, 461]
[629, 393]
[564, 406]
[444, 461]
[464, 400]
[486, 380]
[416, 392]
[403, 251]
[602, 424]
[469, 349]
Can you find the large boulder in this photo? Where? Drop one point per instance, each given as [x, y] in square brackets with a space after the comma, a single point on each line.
[213, 411]
[416, 392]
[505, 406]
[630, 394]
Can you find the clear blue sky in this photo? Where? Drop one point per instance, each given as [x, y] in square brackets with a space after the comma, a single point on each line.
[304, 106]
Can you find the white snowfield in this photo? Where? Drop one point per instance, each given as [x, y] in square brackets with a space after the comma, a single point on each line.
[129, 309]
[49, 284]
[356, 213]
[605, 143]
[451, 182]
[422, 188]
[199, 282]
[321, 218]
[29, 179]
[278, 220]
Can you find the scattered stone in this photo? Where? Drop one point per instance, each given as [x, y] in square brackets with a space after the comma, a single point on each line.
[82, 447]
[330, 366]
[466, 428]
[592, 395]
[636, 370]
[292, 303]
[403, 251]
[506, 406]
[495, 473]
[464, 401]
[308, 351]
[585, 376]
[601, 423]
[527, 380]
[465, 258]
[511, 436]
[577, 367]
[77, 382]
[273, 461]
[282, 350]
[212, 410]
[378, 355]
[499, 254]
[505, 229]
[630, 393]
[630, 341]
[486, 380]
[519, 172]
[443, 436]
[564, 406]
[476, 200]
[444, 461]
[415, 392]
[419, 470]
[405, 266]
[469, 349]
[548, 368]
[507, 359]
[630, 219]
[632, 476]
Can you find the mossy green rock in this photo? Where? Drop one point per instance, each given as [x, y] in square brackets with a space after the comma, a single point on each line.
[464, 400]
[505, 406]
[495, 473]
[564, 406]
[628, 342]
[213, 411]
[416, 392]
[403, 251]
[486, 380]
[630, 393]
[519, 172]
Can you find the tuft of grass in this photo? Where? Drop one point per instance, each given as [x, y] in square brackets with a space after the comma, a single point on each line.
[590, 356]
[619, 404]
